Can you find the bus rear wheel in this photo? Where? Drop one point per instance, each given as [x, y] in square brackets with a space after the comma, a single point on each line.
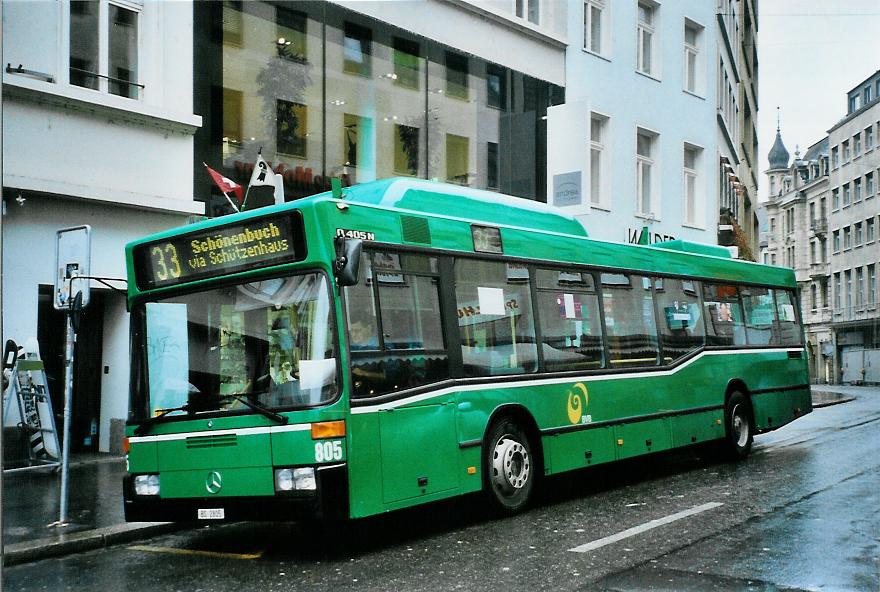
[510, 468]
[739, 427]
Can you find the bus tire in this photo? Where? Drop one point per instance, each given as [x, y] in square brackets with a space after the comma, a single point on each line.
[510, 466]
[738, 427]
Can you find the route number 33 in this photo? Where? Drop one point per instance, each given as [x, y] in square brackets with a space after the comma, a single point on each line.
[328, 451]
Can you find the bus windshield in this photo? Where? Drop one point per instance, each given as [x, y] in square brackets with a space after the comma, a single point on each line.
[269, 341]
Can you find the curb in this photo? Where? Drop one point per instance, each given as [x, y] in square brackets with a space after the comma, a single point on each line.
[79, 542]
[835, 402]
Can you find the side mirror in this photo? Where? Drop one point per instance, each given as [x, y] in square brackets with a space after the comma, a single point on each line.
[347, 265]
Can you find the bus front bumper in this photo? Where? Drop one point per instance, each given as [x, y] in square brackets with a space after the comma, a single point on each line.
[328, 501]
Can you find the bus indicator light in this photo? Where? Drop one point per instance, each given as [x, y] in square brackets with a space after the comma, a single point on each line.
[472, 470]
[328, 429]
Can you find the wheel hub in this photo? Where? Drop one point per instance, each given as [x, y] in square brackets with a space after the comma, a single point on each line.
[740, 426]
[510, 464]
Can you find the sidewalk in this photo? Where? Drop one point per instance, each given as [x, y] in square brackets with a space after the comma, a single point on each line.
[31, 503]
[31, 498]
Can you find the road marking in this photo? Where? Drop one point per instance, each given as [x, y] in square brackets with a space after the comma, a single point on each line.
[644, 527]
[195, 552]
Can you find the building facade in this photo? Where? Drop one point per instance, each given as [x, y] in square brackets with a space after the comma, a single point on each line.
[619, 159]
[823, 222]
[98, 129]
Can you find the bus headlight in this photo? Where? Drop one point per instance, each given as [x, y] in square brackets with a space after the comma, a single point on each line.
[146, 484]
[302, 479]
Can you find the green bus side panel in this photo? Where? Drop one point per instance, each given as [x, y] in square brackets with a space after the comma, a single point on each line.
[194, 453]
[298, 448]
[419, 451]
[633, 439]
[143, 458]
[365, 465]
[575, 450]
[697, 427]
[775, 409]
[236, 482]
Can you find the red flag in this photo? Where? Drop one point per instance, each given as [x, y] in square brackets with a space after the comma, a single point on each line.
[225, 184]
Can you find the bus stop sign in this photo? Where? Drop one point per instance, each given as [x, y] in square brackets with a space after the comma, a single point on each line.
[72, 261]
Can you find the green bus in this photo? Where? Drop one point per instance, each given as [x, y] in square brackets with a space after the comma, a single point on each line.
[404, 341]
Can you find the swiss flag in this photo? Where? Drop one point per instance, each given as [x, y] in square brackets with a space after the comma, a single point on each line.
[225, 184]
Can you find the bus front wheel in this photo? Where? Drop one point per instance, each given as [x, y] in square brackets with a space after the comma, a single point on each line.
[739, 427]
[510, 467]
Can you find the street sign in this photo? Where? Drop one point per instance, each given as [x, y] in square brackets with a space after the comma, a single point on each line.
[72, 260]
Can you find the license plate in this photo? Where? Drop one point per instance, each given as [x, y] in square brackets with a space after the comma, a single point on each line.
[212, 513]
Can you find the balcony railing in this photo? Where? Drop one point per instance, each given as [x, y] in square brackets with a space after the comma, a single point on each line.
[819, 226]
[819, 270]
[869, 311]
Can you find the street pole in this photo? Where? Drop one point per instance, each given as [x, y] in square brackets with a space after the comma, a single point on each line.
[68, 401]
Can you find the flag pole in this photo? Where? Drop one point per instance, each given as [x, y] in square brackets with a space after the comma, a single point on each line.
[248, 190]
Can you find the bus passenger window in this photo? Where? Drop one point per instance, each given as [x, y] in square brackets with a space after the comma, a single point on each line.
[629, 320]
[570, 324]
[409, 350]
[760, 314]
[495, 318]
[787, 326]
[724, 319]
[681, 322]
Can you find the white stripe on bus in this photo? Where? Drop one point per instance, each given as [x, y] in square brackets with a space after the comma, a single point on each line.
[563, 380]
[296, 427]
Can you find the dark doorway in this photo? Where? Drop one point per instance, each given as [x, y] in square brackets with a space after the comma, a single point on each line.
[88, 354]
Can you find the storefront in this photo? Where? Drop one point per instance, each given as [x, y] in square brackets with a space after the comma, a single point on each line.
[326, 92]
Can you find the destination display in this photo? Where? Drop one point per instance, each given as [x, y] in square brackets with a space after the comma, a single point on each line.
[260, 242]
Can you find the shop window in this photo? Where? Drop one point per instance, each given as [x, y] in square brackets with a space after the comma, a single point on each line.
[494, 318]
[407, 63]
[292, 128]
[357, 50]
[457, 159]
[292, 34]
[496, 86]
[232, 116]
[406, 150]
[571, 329]
[492, 165]
[457, 76]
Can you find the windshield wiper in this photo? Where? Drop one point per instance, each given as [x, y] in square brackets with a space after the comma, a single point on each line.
[242, 398]
[145, 425]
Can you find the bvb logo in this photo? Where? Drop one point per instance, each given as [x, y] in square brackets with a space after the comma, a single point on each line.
[577, 401]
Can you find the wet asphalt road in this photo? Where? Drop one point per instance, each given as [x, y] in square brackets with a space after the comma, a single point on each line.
[802, 513]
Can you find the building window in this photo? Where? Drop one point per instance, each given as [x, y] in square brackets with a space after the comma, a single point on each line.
[357, 50]
[292, 34]
[692, 157]
[292, 127]
[457, 159]
[528, 9]
[857, 190]
[857, 145]
[847, 279]
[860, 287]
[645, 148]
[858, 233]
[837, 290]
[845, 151]
[814, 297]
[847, 195]
[407, 64]
[872, 285]
[869, 184]
[813, 252]
[496, 87]
[233, 22]
[847, 238]
[867, 94]
[869, 138]
[835, 158]
[594, 26]
[492, 165]
[647, 38]
[232, 116]
[869, 230]
[835, 241]
[115, 72]
[599, 160]
[457, 76]
[406, 150]
[835, 199]
[692, 63]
